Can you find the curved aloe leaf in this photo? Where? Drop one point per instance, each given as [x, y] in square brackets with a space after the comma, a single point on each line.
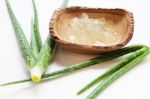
[23, 43]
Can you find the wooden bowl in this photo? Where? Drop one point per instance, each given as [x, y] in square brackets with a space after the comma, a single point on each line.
[123, 21]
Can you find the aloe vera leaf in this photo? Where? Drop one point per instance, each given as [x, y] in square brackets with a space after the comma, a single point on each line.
[84, 64]
[22, 41]
[127, 64]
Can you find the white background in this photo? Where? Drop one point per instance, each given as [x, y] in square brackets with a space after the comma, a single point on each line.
[133, 85]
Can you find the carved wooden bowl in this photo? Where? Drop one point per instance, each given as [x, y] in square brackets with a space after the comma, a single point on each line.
[123, 21]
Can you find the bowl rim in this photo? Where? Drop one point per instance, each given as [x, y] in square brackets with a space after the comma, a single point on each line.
[118, 45]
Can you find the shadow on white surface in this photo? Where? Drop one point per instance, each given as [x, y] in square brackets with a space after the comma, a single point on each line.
[66, 58]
